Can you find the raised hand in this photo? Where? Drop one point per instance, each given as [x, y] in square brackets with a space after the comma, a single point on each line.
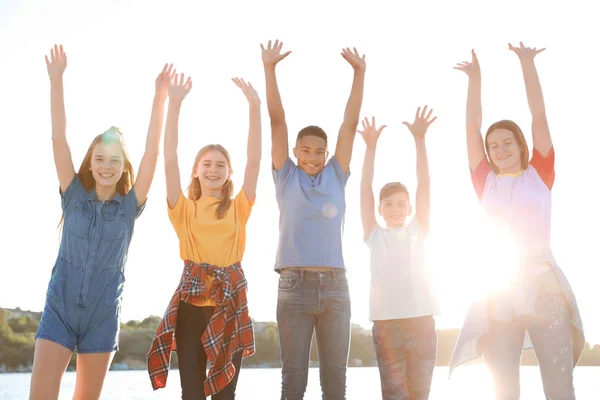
[163, 79]
[354, 59]
[470, 68]
[179, 87]
[272, 54]
[370, 132]
[248, 90]
[525, 53]
[422, 121]
[57, 63]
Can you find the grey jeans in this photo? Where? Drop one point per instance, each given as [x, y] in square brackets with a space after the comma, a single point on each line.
[307, 302]
[550, 331]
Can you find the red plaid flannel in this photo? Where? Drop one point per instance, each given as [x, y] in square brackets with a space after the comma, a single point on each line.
[229, 331]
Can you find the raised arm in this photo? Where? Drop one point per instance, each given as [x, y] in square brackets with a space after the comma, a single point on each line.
[179, 87]
[57, 63]
[542, 141]
[271, 55]
[418, 129]
[254, 138]
[370, 134]
[150, 158]
[345, 142]
[475, 146]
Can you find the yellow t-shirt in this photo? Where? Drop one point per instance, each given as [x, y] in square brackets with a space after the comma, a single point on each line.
[205, 238]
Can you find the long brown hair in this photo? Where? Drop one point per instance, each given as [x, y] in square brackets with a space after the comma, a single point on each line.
[125, 183]
[519, 137]
[195, 191]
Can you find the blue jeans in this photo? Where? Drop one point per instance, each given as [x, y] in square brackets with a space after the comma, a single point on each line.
[406, 353]
[550, 331]
[307, 302]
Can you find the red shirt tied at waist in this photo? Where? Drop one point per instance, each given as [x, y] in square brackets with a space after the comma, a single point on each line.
[229, 330]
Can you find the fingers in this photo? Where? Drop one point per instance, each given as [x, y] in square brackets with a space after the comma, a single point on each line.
[381, 128]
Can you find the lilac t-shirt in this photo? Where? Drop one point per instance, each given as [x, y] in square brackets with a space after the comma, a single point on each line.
[522, 202]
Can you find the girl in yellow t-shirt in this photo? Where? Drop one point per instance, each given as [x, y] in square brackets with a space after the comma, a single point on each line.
[211, 227]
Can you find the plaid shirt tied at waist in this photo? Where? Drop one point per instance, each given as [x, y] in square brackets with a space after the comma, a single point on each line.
[229, 330]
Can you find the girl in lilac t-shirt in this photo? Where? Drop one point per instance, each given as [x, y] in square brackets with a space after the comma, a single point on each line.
[515, 193]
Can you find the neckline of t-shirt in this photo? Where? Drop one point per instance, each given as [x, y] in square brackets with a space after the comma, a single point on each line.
[511, 174]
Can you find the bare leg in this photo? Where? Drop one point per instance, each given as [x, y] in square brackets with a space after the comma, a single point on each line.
[91, 371]
[50, 361]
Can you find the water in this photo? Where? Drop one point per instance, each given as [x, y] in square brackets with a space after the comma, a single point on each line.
[468, 383]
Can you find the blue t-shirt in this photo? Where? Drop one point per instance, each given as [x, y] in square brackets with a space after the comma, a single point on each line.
[311, 214]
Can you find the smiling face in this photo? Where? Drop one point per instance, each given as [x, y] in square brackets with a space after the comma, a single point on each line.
[394, 208]
[107, 163]
[212, 171]
[311, 152]
[504, 151]
[506, 147]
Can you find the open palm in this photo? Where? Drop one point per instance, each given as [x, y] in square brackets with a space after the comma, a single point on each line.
[271, 55]
[370, 132]
[163, 79]
[354, 58]
[250, 93]
[57, 63]
[422, 121]
[179, 87]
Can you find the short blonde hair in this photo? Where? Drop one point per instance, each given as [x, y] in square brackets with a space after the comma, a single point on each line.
[390, 188]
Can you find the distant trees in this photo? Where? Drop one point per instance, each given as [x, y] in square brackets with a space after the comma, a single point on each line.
[17, 340]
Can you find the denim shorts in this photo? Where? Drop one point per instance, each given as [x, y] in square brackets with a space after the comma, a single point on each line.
[82, 309]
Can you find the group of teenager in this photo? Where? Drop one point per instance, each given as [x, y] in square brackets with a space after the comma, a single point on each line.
[207, 320]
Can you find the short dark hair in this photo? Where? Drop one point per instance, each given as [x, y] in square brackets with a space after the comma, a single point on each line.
[312, 130]
[390, 188]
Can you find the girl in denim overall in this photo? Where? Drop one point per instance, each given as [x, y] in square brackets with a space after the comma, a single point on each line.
[100, 204]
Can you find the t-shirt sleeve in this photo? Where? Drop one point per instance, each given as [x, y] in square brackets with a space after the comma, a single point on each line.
[72, 194]
[131, 202]
[243, 207]
[479, 176]
[375, 232]
[341, 175]
[178, 214]
[282, 176]
[544, 166]
[415, 229]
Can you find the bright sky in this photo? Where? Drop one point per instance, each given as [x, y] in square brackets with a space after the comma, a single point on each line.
[116, 49]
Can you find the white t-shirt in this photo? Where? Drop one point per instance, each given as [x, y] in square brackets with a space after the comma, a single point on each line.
[401, 284]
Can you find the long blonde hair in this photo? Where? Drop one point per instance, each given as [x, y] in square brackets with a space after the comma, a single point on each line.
[125, 183]
[195, 191]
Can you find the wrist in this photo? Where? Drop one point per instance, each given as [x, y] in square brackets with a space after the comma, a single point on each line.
[270, 67]
[175, 103]
[56, 79]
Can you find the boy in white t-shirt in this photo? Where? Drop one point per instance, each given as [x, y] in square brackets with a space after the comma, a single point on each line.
[402, 303]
